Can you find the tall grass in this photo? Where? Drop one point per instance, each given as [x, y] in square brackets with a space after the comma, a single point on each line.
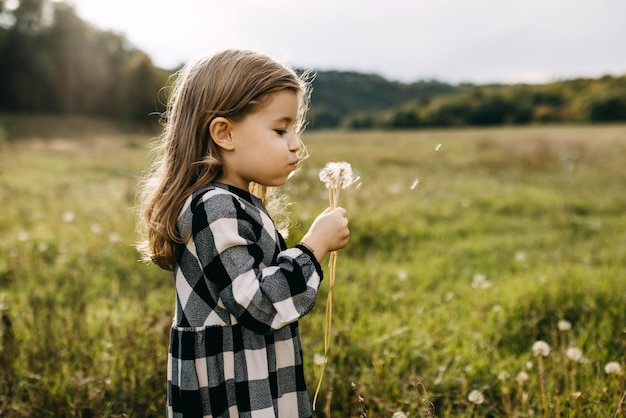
[510, 236]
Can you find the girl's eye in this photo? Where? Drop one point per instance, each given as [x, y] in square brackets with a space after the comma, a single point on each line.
[281, 132]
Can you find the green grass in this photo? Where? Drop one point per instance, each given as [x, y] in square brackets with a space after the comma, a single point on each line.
[538, 214]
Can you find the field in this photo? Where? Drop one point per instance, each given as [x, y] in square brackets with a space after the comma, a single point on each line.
[485, 276]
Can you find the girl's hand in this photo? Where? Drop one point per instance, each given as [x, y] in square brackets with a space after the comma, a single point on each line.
[329, 232]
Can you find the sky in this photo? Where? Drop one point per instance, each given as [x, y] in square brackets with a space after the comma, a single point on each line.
[455, 41]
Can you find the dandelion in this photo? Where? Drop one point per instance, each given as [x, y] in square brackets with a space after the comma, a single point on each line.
[504, 377]
[564, 325]
[476, 397]
[335, 176]
[541, 349]
[319, 359]
[613, 367]
[69, 217]
[574, 354]
[402, 275]
[23, 236]
[520, 256]
[399, 414]
[522, 377]
[95, 229]
[479, 281]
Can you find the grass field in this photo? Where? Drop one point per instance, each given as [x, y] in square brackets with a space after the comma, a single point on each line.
[485, 276]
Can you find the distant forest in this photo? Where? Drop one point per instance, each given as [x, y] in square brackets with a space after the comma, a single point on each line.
[54, 63]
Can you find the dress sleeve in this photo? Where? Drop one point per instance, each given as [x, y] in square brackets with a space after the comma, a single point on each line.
[263, 287]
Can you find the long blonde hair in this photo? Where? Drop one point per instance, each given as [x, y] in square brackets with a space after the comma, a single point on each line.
[230, 84]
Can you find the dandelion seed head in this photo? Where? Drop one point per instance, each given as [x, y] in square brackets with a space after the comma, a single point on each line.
[520, 256]
[319, 359]
[338, 175]
[613, 367]
[399, 414]
[69, 216]
[402, 275]
[503, 375]
[522, 377]
[95, 229]
[23, 236]
[564, 325]
[541, 348]
[476, 397]
[479, 281]
[574, 354]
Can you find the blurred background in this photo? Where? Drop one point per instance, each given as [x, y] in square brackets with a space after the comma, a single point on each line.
[398, 65]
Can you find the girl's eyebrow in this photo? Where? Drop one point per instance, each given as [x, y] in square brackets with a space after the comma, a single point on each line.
[284, 119]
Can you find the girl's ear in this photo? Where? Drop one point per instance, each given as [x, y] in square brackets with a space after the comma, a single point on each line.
[220, 128]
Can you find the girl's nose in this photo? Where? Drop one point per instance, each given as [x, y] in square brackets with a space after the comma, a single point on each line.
[294, 143]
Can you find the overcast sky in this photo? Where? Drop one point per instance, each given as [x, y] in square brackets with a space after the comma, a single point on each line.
[477, 41]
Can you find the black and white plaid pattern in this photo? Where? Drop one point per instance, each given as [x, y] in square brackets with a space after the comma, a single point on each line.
[235, 347]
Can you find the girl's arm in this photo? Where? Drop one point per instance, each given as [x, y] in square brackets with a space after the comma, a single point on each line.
[263, 287]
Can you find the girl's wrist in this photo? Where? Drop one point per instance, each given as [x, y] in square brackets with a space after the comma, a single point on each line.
[307, 246]
[315, 250]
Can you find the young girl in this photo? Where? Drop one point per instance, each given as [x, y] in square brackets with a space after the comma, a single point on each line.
[231, 133]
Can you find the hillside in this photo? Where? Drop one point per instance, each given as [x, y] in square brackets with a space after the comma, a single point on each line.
[338, 94]
[362, 101]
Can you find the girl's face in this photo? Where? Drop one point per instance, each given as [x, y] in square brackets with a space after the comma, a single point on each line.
[264, 144]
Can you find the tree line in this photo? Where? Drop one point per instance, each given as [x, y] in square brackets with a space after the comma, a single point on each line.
[581, 100]
[54, 63]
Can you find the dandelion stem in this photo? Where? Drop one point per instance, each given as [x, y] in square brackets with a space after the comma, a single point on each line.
[336, 176]
[619, 406]
[542, 384]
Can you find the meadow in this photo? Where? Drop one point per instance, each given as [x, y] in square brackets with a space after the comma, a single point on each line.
[485, 276]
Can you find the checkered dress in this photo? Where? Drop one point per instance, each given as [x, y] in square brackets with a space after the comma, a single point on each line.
[235, 347]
